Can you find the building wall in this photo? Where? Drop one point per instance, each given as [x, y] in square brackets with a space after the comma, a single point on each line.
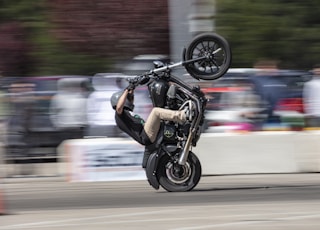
[112, 28]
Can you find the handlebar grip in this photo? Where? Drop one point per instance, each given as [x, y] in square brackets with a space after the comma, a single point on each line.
[144, 80]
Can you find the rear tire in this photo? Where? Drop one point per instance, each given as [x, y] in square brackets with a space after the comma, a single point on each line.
[217, 51]
[179, 178]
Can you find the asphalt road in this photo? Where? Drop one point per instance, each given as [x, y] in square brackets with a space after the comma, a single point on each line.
[277, 201]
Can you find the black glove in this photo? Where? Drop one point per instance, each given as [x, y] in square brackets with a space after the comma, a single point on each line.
[131, 86]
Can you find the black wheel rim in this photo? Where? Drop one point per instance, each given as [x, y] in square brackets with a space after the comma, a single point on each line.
[178, 174]
[215, 57]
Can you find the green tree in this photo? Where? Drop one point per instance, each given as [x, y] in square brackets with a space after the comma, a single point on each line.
[36, 50]
[284, 30]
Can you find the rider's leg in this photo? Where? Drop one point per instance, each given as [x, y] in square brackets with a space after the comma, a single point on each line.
[152, 125]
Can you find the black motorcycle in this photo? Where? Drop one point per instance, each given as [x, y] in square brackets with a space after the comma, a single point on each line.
[169, 161]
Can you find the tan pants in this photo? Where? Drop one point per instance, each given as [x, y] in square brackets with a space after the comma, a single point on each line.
[152, 125]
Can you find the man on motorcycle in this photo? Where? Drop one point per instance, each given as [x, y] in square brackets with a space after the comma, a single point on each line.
[143, 132]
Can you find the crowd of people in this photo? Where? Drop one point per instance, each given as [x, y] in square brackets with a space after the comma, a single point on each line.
[272, 90]
[80, 112]
[78, 108]
[264, 98]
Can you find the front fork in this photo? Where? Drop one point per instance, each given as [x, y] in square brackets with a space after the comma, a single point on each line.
[193, 129]
[185, 152]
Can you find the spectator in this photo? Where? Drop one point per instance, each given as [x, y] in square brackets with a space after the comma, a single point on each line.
[68, 108]
[270, 89]
[21, 111]
[101, 121]
[311, 99]
[266, 67]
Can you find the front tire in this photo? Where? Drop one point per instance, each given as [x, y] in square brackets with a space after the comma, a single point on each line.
[217, 51]
[179, 178]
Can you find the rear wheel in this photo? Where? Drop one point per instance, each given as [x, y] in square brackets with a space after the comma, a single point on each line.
[179, 178]
[213, 55]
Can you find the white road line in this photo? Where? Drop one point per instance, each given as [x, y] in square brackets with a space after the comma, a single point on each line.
[114, 222]
[66, 223]
[245, 222]
[153, 216]
[43, 223]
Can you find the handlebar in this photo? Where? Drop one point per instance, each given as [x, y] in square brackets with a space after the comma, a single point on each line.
[139, 80]
[143, 79]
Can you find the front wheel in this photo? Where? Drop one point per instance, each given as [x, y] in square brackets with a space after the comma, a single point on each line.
[212, 55]
[179, 178]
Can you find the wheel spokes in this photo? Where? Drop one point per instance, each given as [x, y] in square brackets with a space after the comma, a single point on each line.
[209, 49]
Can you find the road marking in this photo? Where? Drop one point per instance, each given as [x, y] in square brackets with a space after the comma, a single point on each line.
[175, 214]
[43, 223]
[246, 222]
[68, 222]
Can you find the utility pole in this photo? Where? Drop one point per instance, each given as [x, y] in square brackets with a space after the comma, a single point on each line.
[188, 18]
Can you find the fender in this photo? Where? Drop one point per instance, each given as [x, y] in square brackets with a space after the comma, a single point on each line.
[151, 170]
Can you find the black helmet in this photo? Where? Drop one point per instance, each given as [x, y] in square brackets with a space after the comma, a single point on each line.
[115, 98]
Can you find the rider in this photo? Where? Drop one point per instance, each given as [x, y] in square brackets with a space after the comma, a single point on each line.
[143, 132]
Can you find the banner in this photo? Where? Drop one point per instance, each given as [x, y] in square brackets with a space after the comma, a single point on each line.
[104, 159]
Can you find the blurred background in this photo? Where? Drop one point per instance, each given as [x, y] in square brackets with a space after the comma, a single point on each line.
[79, 37]
[60, 61]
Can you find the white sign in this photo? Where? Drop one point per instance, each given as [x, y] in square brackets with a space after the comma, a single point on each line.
[104, 159]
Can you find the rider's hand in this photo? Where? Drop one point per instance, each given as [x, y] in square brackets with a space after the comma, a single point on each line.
[130, 87]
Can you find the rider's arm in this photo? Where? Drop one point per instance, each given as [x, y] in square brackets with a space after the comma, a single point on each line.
[122, 101]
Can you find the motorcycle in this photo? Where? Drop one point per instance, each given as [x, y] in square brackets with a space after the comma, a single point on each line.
[169, 162]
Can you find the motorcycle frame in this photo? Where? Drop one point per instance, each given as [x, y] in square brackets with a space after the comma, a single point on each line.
[191, 92]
